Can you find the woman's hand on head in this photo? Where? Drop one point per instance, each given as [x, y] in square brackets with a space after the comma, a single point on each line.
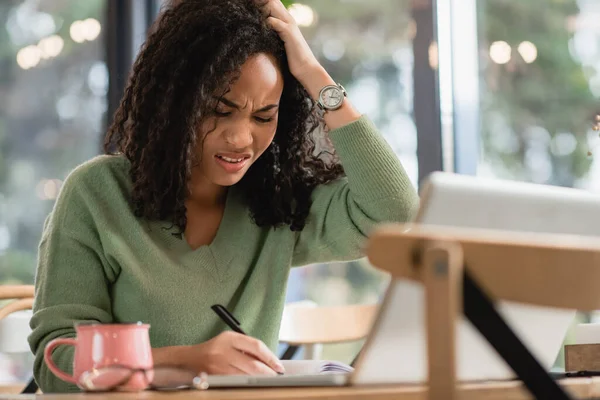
[231, 353]
[302, 62]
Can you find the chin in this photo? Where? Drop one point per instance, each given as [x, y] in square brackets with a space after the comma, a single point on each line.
[228, 180]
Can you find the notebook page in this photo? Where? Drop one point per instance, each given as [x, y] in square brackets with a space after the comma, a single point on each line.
[314, 367]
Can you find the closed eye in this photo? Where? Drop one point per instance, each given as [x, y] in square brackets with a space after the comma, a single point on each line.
[258, 119]
[264, 120]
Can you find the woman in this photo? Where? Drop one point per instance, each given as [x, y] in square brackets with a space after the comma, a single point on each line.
[211, 190]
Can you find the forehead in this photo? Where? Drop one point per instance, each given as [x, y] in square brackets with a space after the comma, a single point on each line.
[259, 79]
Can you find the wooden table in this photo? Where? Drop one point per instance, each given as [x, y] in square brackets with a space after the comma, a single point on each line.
[580, 388]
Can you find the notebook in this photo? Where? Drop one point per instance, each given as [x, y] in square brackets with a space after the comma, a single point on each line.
[312, 367]
[297, 373]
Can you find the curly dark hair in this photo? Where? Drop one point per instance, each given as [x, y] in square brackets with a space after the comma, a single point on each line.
[194, 53]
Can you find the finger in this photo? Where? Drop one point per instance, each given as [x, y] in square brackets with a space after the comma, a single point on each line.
[258, 350]
[249, 365]
[275, 8]
[278, 25]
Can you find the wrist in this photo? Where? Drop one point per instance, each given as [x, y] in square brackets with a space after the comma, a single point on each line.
[171, 356]
[315, 79]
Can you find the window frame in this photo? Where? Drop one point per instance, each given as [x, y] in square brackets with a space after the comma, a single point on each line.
[459, 84]
[426, 102]
[129, 22]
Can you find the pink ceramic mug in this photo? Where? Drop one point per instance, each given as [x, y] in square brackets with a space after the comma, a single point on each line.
[105, 345]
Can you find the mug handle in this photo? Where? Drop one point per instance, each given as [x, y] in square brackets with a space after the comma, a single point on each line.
[48, 358]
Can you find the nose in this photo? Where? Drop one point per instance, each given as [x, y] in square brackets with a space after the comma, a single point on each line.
[239, 135]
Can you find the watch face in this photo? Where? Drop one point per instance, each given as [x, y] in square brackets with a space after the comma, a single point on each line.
[332, 97]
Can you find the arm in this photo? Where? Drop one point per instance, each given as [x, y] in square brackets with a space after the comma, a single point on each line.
[343, 213]
[225, 354]
[377, 188]
[71, 285]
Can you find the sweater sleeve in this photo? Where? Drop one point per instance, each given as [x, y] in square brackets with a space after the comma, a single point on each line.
[376, 189]
[71, 284]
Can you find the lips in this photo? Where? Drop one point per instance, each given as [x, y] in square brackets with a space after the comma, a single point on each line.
[233, 156]
[232, 162]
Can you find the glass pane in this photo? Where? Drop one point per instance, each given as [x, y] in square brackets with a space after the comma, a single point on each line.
[53, 81]
[540, 90]
[367, 47]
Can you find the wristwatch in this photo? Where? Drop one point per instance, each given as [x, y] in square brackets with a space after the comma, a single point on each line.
[331, 97]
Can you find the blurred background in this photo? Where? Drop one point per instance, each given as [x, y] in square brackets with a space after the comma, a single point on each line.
[502, 88]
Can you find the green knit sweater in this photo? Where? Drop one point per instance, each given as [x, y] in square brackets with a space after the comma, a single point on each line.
[98, 262]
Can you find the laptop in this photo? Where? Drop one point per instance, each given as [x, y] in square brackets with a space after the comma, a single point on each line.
[395, 351]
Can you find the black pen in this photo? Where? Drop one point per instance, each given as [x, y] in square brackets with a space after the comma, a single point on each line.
[230, 320]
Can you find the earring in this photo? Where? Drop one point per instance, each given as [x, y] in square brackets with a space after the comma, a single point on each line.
[275, 154]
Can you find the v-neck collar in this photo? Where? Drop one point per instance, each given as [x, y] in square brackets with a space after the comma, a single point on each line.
[215, 256]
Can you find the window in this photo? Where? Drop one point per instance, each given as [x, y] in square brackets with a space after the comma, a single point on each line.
[367, 47]
[540, 87]
[53, 84]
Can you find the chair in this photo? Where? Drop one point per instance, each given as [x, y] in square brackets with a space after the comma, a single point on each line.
[463, 269]
[22, 294]
[305, 324]
[14, 319]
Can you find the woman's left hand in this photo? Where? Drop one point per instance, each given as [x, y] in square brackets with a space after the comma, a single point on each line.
[301, 60]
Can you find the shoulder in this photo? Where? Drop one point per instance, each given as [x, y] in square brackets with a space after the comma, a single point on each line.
[99, 170]
[101, 183]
